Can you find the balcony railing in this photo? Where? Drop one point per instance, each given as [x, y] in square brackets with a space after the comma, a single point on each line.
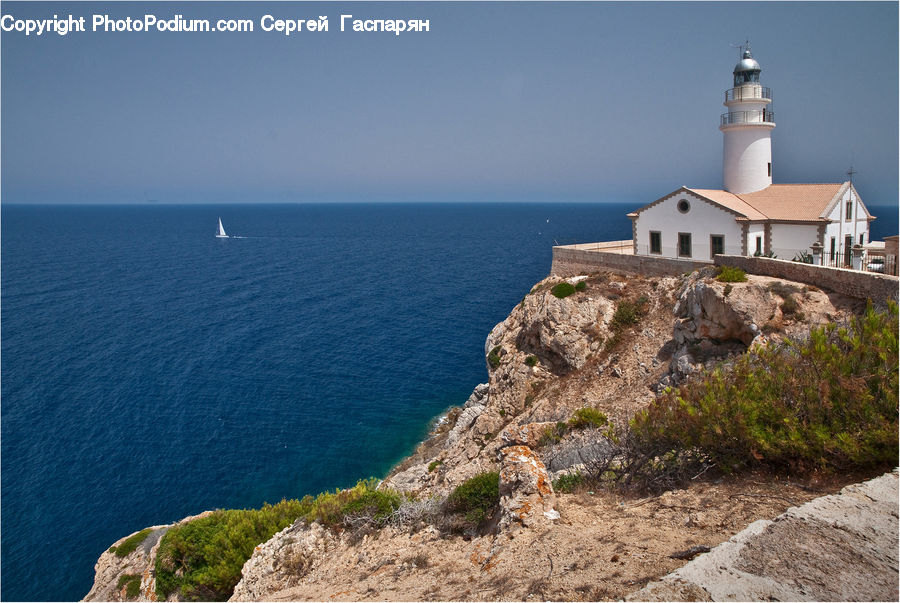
[740, 93]
[747, 117]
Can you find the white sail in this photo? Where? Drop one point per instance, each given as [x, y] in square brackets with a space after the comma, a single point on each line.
[221, 233]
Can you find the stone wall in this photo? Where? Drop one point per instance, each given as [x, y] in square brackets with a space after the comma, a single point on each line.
[854, 283]
[568, 261]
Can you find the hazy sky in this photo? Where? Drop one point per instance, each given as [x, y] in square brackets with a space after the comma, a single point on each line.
[498, 101]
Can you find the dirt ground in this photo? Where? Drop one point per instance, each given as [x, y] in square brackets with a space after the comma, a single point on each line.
[602, 548]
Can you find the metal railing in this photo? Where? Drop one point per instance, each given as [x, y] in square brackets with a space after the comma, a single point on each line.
[747, 117]
[740, 93]
[842, 257]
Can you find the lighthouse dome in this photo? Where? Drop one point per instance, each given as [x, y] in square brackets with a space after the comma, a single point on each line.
[747, 70]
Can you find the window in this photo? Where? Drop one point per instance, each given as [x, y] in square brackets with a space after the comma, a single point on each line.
[848, 214]
[683, 206]
[770, 169]
[833, 249]
[684, 244]
[716, 245]
[862, 239]
[848, 249]
[655, 242]
[758, 245]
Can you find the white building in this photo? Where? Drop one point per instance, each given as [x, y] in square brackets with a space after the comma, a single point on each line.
[752, 215]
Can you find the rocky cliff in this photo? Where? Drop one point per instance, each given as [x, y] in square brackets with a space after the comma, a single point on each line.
[550, 357]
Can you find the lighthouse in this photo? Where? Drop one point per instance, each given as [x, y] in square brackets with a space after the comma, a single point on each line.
[747, 127]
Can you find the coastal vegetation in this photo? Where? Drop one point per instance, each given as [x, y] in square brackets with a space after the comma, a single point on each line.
[131, 583]
[476, 497]
[131, 543]
[563, 290]
[202, 559]
[494, 357]
[730, 274]
[828, 402]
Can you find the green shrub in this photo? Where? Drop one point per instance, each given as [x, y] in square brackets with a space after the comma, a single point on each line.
[531, 360]
[627, 313]
[581, 286]
[730, 274]
[588, 417]
[132, 584]
[494, 357]
[377, 505]
[568, 482]
[202, 559]
[827, 403]
[553, 433]
[476, 498]
[434, 465]
[563, 290]
[728, 289]
[131, 543]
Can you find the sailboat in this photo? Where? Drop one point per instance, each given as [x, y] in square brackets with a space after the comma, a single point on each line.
[220, 234]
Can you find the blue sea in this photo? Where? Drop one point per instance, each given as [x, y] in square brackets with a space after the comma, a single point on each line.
[151, 371]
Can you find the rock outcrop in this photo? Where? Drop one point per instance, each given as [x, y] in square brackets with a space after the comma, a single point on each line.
[283, 560]
[113, 573]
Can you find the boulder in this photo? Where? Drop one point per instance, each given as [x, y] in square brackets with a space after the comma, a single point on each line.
[524, 435]
[526, 493]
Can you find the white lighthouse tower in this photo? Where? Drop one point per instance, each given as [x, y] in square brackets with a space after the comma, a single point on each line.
[747, 156]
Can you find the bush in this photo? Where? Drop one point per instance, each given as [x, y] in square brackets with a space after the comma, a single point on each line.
[494, 357]
[826, 403]
[588, 417]
[568, 482]
[131, 543]
[476, 498]
[553, 434]
[434, 465]
[790, 307]
[132, 584]
[202, 559]
[728, 289]
[730, 274]
[531, 360]
[581, 286]
[627, 313]
[783, 290]
[563, 290]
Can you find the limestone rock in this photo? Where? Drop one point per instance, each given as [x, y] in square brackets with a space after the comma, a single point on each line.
[524, 435]
[525, 488]
[282, 561]
[140, 562]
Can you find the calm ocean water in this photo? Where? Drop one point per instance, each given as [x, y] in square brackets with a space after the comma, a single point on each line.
[151, 371]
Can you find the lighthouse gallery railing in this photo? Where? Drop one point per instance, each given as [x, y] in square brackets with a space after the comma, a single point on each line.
[747, 117]
[748, 93]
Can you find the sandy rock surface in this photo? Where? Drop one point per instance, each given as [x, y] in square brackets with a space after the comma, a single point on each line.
[835, 548]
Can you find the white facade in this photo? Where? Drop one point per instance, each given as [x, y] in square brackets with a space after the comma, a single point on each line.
[843, 231]
[752, 215]
[683, 214]
[747, 130]
[747, 158]
[788, 240]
